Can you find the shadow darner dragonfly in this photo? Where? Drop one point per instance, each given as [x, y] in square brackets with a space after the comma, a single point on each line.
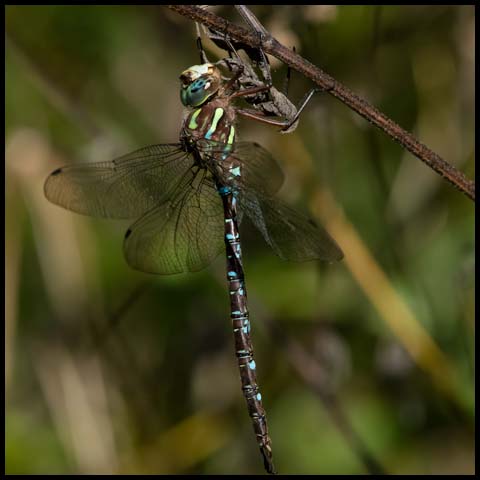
[189, 197]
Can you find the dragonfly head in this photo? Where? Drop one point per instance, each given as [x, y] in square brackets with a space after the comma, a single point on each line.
[199, 83]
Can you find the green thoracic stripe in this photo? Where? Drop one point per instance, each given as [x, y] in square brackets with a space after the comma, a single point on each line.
[193, 119]
[216, 118]
[231, 136]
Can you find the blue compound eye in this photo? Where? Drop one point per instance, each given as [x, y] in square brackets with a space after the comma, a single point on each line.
[195, 94]
[197, 85]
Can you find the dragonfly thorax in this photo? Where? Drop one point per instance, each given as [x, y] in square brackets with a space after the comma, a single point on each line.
[212, 116]
[199, 84]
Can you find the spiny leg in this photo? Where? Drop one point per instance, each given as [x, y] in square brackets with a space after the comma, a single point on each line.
[260, 30]
[301, 106]
[201, 50]
[286, 83]
[304, 100]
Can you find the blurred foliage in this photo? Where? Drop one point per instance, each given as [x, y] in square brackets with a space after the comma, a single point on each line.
[113, 371]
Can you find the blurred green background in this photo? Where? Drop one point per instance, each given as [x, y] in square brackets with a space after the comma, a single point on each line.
[364, 365]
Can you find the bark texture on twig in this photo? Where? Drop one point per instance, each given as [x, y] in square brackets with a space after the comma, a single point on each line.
[335, 88]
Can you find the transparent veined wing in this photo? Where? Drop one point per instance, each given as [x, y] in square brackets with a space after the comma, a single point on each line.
[258, 169]
[125, 187]
[183, 234]
[291, 234]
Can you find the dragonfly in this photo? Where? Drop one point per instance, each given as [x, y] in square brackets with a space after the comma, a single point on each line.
[188, 199]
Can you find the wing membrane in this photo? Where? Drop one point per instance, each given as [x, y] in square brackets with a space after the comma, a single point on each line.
[183, 234]
[292, 235]
[126, 187]
[259, 170]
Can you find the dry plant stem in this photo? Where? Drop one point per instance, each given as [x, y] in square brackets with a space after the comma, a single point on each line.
[335, 88]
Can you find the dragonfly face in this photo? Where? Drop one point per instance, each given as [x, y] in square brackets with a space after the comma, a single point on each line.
[199, 83]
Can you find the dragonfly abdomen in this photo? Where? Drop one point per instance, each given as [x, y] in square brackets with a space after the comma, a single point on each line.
[241, 326]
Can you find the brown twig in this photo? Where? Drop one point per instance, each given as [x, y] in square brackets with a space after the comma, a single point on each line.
[335, 88]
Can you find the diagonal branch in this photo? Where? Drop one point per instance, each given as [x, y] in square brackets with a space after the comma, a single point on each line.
[269, 45]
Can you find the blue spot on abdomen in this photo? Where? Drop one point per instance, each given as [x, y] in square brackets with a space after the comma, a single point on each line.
[224, 190]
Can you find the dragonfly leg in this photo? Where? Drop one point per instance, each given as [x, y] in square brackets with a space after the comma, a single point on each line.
[250, 91]
[232, 81]
[286, 83]
[302, 105]
[201, 50]
[265, 119]
[259, 29]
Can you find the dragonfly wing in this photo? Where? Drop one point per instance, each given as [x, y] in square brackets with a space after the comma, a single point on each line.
[126, 187]
[184, 234]
[292, 235]
[257, 169]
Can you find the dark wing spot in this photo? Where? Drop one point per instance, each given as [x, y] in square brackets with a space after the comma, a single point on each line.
[56, 172]
[129, 231]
